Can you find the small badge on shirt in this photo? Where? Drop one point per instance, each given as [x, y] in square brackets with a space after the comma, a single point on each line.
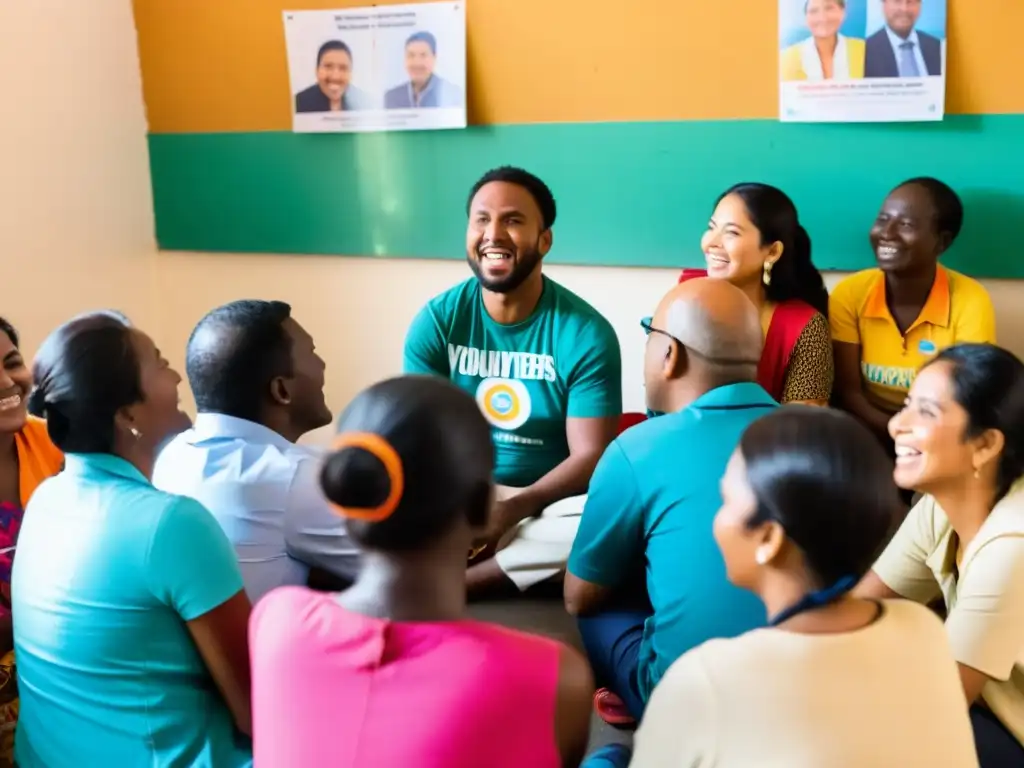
[927, 347]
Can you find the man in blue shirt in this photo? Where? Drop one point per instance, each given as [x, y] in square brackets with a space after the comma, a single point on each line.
[258, 385]
[424, 89]
[655, 492]
[900, 50]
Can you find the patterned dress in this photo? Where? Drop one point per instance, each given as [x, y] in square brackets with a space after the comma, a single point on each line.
[10, 525]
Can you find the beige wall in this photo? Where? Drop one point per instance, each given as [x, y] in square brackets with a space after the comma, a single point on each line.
[76, 223]
[358, 309]
[76, 220]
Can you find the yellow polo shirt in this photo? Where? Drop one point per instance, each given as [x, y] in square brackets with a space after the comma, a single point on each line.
[984, 597]
[958, 309]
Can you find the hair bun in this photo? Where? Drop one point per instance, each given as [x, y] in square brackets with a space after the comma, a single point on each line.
[363, 478]
[37, 402]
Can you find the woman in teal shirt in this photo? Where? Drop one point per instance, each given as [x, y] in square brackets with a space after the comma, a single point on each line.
[131, 632]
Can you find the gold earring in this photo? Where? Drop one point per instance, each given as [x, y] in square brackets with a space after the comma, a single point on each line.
[135, 433]
[767, 277]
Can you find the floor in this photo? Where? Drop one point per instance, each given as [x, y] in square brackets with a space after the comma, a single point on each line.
[544, 617]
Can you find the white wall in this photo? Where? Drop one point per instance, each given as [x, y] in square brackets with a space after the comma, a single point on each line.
[76, 213]
[76, 222]
[358, 308]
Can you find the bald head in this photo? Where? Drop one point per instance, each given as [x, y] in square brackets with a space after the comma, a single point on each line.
[714, 319]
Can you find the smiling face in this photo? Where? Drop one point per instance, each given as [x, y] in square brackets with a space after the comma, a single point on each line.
[901, 15]
[732, 244]
[905, 237]
[306, 387]
[930, 435]
[506, 238]
[158, 416]
[15, 384]
[419, 62]
[333, 73]
[824, 17]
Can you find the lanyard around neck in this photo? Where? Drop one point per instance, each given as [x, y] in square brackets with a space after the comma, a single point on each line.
[814, 600]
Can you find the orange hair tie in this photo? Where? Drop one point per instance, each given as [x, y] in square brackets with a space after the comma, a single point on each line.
[386, 455]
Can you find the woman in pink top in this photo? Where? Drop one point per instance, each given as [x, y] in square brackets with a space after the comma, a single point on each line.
[389, 673]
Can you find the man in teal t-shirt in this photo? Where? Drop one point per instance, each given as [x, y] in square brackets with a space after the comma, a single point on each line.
[544, 366]
[655, 493]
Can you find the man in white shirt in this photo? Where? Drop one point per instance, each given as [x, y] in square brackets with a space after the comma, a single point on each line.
[258, 385]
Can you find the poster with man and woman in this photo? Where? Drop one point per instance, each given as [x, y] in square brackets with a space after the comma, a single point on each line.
[379, 68]
[856, 61]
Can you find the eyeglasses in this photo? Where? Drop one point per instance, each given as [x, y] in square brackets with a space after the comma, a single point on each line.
[647, 324]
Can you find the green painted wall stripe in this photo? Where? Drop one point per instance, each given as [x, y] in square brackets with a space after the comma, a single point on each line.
[629, 194]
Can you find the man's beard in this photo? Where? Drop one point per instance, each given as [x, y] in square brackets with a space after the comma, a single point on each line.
[525, 264]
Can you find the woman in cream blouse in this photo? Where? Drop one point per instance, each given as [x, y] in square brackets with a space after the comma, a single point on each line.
[826, 54]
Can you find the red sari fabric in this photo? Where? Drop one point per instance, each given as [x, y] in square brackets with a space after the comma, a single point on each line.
[788, 322]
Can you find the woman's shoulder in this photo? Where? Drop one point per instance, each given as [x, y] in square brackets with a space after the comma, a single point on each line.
[862, 280]
[964, 288]
[37, 438]
[791, 63]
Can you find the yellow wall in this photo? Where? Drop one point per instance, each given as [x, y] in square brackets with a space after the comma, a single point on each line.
[220, 65]
[76, 221]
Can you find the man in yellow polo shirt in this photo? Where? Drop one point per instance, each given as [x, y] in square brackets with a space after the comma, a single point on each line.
[888, 321]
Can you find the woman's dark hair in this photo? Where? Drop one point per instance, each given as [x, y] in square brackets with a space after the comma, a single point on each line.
[794, 275]
[332, 45]
[7, 328]
[447, 462]
[822, 476]
[988, 383]
[85, 372]
[949, 208]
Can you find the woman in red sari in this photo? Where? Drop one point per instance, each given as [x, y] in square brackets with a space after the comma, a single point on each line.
[755, 241]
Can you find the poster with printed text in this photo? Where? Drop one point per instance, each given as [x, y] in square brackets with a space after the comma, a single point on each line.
[380, 68]
[862, 61]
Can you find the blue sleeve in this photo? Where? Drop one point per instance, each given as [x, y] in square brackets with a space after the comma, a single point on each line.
[191, 566]
[425, 349]
[609, 544]
[595, 388]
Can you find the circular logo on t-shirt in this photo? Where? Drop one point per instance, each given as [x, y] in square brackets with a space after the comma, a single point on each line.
[504, 402]
[927, 347]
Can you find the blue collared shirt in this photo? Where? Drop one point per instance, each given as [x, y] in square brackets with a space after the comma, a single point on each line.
[108, 572]
[896, 41]
[651, 503]
[265, 493]
[437, 93]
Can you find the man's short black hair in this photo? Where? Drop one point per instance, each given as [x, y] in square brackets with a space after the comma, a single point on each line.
[234, 353]
[537, 189]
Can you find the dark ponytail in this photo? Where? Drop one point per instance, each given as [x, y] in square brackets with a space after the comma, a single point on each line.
[85, 372]
[794, 275]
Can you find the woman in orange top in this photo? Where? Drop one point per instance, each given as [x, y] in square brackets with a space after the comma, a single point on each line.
[27, 457]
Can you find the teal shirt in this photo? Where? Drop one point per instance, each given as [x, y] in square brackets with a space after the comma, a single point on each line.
[651, 504]
[108, 571]
[562, 362]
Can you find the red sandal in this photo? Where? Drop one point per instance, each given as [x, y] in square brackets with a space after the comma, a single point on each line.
[612, 710]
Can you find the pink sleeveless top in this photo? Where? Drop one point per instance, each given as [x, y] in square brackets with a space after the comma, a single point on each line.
[335, 689]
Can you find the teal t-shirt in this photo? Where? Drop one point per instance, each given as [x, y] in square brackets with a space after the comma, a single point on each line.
[561, 362]
[108, 571]
[650, 507]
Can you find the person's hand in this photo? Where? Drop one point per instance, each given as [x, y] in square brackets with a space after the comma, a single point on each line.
[510, 506]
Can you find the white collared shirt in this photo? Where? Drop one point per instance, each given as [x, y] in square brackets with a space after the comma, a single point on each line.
[811, 61]
[265, 493]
